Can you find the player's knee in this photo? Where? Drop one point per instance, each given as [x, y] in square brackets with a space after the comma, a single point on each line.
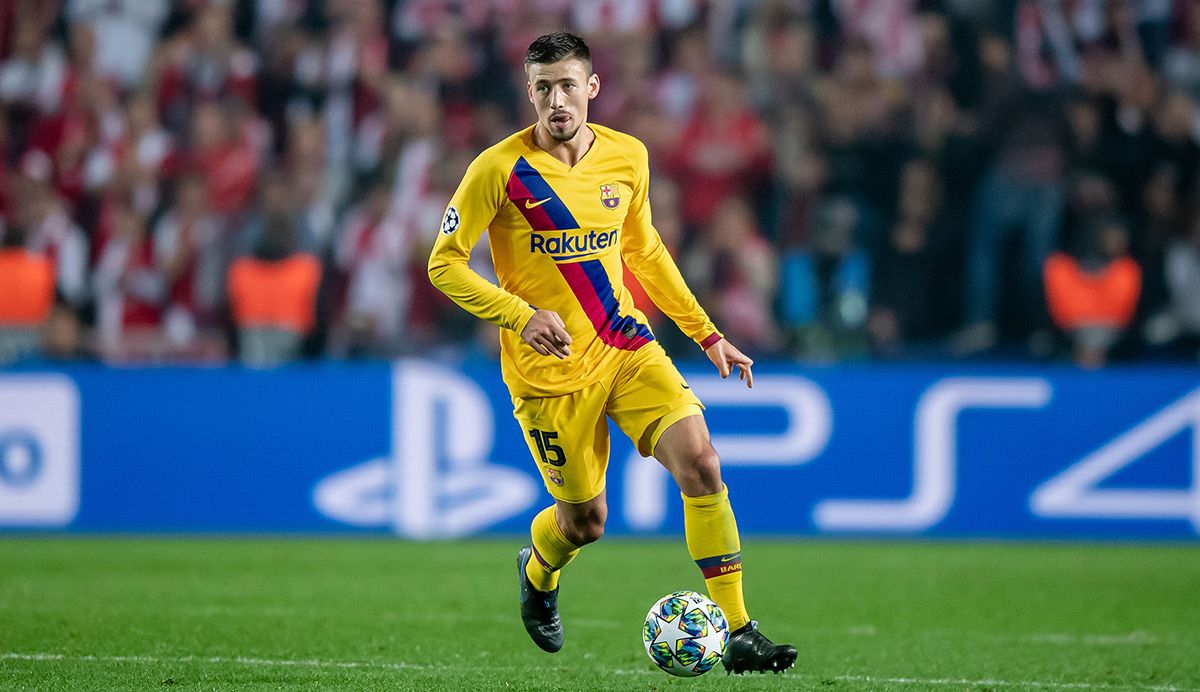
[701, 472]
[586, 528]
[584, 532]
[708, 470]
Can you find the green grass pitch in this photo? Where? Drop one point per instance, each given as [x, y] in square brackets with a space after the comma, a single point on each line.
[101, 613]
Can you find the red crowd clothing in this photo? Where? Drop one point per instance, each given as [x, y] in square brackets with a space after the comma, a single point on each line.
[1079, 298]
[139, 311]
[27, 288]
[739, 141]
[231, 171]
[279, 294]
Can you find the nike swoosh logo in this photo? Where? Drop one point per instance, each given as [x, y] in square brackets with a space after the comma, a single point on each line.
[538, 203]
[685, 385]
[731, 558]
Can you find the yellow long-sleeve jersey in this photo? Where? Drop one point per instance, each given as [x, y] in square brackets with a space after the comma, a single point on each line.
[557, 235]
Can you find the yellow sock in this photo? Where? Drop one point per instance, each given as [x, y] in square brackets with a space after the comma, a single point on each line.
[551, 551]
[712, 539]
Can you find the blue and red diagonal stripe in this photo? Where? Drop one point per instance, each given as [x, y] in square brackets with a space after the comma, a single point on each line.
[527, 187]
[721, 564]
[589, 282]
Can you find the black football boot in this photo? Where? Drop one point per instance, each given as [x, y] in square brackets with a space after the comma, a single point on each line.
[749, 650]
[539, 609]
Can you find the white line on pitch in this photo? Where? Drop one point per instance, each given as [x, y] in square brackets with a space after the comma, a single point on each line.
[1008, 683]
[239, 660]
[383, 665]
[1135, 638]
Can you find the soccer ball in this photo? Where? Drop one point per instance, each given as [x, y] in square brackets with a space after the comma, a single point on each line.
[685, 634]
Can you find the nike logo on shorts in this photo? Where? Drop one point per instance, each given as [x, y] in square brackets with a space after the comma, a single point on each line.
[731, 558]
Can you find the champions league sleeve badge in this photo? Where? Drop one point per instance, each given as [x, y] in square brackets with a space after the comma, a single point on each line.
[450, 221]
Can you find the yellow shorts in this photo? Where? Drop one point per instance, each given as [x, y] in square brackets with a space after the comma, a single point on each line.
[568, 434]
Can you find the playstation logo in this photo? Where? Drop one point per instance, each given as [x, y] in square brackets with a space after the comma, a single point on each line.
[437, 482]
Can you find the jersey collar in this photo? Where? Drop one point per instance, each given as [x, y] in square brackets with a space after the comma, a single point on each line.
[559, 165]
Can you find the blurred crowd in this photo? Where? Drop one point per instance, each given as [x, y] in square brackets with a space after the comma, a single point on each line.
[202, 180]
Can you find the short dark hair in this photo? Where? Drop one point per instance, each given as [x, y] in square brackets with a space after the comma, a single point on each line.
[557, 46]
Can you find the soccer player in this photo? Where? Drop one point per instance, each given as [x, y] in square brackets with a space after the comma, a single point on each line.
[565, 201]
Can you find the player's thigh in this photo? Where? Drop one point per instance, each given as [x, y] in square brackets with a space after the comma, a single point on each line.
[568, 438]
[649, 398]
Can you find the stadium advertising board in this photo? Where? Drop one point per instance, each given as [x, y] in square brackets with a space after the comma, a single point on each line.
[428, 451]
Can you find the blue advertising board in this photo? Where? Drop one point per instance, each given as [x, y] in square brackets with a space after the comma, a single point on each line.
[426, 450]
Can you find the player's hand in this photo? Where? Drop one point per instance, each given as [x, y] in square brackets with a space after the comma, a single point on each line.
[726, 357]
[547, 334]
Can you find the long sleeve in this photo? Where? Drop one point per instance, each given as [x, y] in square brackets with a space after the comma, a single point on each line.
[647, 257]
[472, 208]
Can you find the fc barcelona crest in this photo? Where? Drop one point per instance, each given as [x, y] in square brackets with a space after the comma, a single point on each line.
[610, 195]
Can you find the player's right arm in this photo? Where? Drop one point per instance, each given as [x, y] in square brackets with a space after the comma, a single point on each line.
[472, 209]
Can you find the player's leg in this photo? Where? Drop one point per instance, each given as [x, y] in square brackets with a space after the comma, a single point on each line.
[568, 437]
[656, 408]
[558, 533]
[708, 521]
[685, 449]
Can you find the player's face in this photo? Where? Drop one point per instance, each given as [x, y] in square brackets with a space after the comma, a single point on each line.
[560, 93]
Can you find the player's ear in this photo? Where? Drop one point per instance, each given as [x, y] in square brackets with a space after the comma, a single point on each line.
[593, 86]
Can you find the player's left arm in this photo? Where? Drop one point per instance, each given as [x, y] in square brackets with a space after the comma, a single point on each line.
[647, 257]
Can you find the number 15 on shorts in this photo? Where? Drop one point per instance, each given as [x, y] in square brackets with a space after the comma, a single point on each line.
[551, 453]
